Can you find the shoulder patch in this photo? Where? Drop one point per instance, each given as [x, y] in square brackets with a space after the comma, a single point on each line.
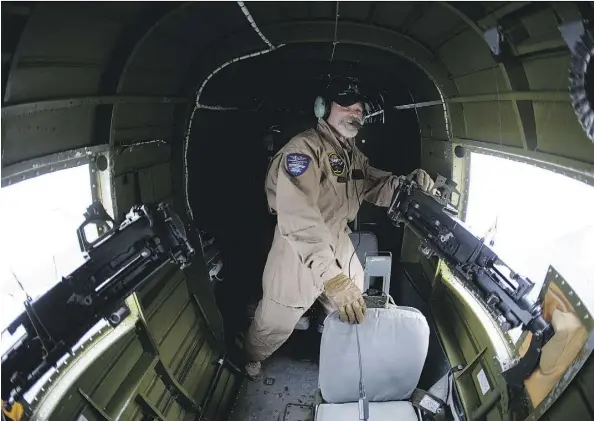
[336, 163]
[297, 163]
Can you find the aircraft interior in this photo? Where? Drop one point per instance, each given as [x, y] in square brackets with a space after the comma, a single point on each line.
[157, 121]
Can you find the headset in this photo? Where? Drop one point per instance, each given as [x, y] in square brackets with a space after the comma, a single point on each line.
[373, 107]
[322, 107]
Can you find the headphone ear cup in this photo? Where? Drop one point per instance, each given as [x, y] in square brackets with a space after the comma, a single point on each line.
[321, 108]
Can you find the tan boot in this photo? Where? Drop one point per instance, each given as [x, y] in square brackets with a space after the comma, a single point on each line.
[254, 370]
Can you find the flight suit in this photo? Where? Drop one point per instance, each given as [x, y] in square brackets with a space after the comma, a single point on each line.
[315, 185]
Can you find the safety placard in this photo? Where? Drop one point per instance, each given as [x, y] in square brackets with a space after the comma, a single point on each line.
[483, 382]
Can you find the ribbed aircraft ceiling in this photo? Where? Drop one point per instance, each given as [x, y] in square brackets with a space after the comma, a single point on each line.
[122, 72]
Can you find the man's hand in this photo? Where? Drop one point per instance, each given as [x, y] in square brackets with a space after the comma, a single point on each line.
[421, 177]
[347, 297]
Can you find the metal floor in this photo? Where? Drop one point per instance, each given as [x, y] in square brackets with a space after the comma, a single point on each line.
[290, 398]
[293, 372]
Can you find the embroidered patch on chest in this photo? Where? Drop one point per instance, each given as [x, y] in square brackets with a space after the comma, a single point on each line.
[336, 164]
[297, 163]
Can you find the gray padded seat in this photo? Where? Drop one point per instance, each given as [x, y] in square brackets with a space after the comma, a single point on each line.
[378, 411]
[367, 242]
[394, 343]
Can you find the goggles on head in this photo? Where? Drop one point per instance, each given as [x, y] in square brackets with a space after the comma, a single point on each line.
[346, 92]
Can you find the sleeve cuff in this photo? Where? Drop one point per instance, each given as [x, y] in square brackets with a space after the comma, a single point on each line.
[329, 272]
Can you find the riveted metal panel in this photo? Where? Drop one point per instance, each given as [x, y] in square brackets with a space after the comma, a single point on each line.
[45, 132]
[158, 289]
[172, 54]
[221, 396]
[263, 13]
[155, 392]
[123, 395]
[486, 82]
[434, 25]
[158, 130]
[136, 118]
[492, 122]
[117, 375]
[59, 62]
[141, 156]
[137, 115]
[209, 372]
[559, 132]
[198, 23]
[146, 185]
[288, 10]
[436, 157]
[140, 174]
[323, 9]
[572, 407]
[542, 23]
[47, 80]
[466, 53]
[231, 391]
[548, 73]
[585, 381]
[161, 321]
[470, 334]
[431, 122]
[154, 79]
[567, 10]
[125, 193]
[393, 14]
[199, 370]
[177, 340]
[162, 185]
[353, 10]
[97, 346]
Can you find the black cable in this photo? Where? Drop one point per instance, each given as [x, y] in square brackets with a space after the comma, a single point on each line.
[358, 231]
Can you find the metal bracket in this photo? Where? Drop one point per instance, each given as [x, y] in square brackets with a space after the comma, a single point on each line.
[179, 393]
[148, 408]
[378, 264]
[446, 187]
[94, 407]
[493, 37]
[212, 387]
[571, 33]
[470, 364]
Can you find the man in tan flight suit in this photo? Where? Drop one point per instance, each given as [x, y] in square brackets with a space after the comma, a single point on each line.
[315, 184]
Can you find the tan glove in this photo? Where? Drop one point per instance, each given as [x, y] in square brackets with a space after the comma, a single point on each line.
[421, 177]
[16, 412]
[347, 297]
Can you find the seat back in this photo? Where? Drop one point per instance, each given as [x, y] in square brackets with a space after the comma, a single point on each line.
[364, 242]
[394, 343]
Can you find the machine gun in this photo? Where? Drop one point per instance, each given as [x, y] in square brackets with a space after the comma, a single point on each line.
[505, 293]
[117, 264]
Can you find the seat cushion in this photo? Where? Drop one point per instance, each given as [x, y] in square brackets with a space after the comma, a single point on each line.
[394, 343]
[378, 411]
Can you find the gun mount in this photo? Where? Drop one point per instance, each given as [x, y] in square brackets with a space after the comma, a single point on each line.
[117, 264]
[502, 291]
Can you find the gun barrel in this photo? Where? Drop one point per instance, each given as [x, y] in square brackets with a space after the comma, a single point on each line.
[118, 264]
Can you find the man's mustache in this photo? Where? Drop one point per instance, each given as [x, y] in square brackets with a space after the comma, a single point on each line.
[355, 122]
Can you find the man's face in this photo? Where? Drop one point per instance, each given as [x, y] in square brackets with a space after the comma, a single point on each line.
[346, 120]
